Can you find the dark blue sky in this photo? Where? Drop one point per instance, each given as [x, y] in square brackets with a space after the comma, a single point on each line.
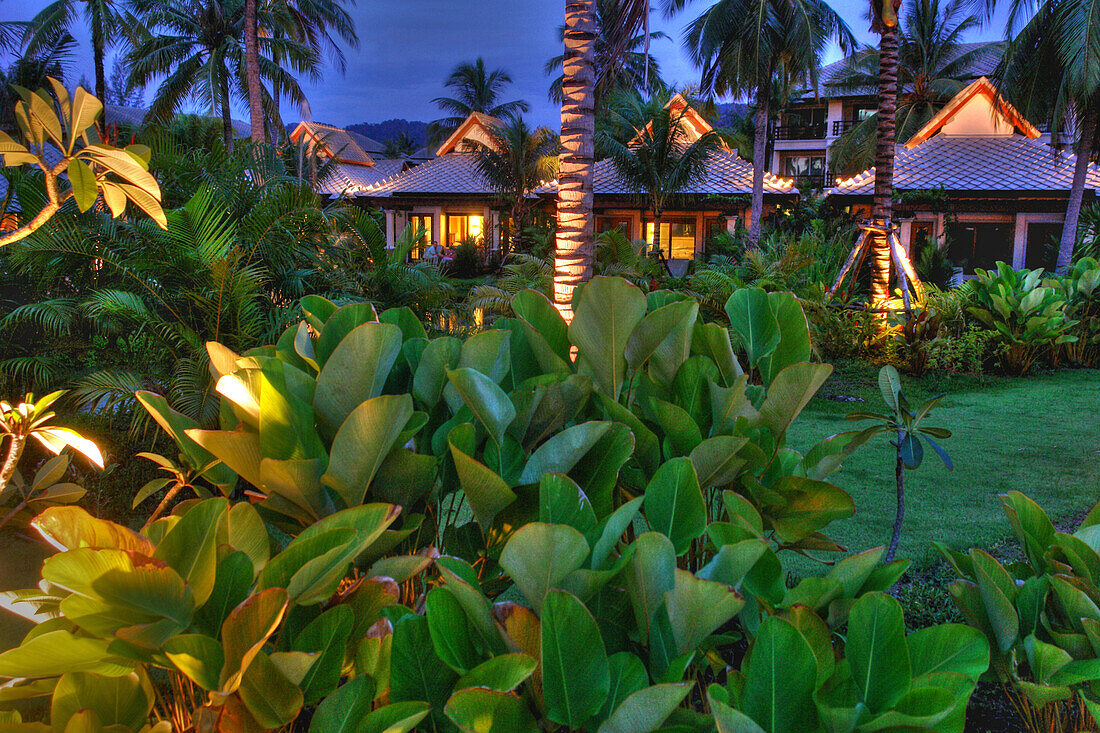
[407, 48]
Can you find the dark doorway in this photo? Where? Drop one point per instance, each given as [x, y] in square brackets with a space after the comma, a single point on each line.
[974, 245]
[1042, 244]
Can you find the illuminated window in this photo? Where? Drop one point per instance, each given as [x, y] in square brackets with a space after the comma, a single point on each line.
[677, 239]
[421, 223]
[461, 226]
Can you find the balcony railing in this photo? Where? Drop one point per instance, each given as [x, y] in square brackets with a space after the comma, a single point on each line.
[813, 180]
[800, 132]
[842, 126]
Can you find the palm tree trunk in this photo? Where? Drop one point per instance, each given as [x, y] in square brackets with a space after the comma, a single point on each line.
[1077, 191]
[759, 164]
[98, 50]
[574, 244]
[227, 118]
[657, 216]
[252, 70]
[883, 207]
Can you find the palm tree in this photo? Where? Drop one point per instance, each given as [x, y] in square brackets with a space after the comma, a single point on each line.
[401, 145]
[194, 47]
[1051, 70]
[516, 161]
[933, 65]
[657, 159]
[313, 23]
[616, 71]
[476, 90]
[743, 46]
[32, 71]
[103, 21]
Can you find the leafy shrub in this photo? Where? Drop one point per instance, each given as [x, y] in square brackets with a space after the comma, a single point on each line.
[1028, 317]
[467, 261]
[1039, 615]
[963, 354]
[1082, 289]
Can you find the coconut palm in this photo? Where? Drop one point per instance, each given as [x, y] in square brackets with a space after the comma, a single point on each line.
[654, 155]
[516, 161]
[32, 71]
[933, 66]
[59, 17]
[401, 145]
[1051, 70]
[195, 48]
[476, 90]
[313, 23]
[617, 71]
[743, 46]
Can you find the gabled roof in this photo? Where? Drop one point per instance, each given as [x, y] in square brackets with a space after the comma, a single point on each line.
[1004, 115]
[694, 123]
[334, 142]
[726, 174]
[986, 163]
[476, 127]
[975, 144]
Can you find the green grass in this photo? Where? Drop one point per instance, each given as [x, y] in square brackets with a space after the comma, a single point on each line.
[1039, 435]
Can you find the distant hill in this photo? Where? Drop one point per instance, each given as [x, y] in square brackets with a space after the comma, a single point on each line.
[729, 112]
[383, 131]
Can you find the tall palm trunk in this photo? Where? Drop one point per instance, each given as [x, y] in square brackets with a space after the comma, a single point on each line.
[227, 118]
[883, 207]
[574, 245]
[1077, 192]
[252, 70]
[99, 44]
[657, 216]
[759, 164]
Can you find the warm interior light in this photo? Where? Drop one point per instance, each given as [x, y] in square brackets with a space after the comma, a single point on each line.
[477, 225]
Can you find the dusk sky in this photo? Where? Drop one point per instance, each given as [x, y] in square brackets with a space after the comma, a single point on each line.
[407, 48]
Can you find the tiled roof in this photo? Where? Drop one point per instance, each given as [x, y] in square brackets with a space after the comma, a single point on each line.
[960, 163]
[454, 173]
[345, 146]
[726, 174]
[348, 178]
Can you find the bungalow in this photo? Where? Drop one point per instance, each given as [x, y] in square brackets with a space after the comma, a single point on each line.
[449, 198]
[358, 161]
[978, 179]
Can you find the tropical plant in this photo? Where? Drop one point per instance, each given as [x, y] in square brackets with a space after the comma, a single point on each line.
[32, 71]
[743, 46]
[933, 65]
[652, 152]
[1027, 316]
[1038, 615]
[476, 90]
[515, 161]
[904, 424]
[1048, 72]
[56, 20]
[60, 141]
[195, 48]
[33, 419]
[401, 145]
[520, 272]
[1081, 286]
[618, 70]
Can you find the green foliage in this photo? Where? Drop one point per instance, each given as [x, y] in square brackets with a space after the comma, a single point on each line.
[1038, 615]
[1027, 315]
[1081, 286]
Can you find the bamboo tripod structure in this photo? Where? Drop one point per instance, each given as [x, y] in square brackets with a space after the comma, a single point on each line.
[907, 276]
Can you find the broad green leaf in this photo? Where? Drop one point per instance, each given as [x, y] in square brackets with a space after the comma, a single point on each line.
[416, 673]
[487, 492]
[949, 648]
[794, 341]
[272, 699]
[190, 547]
[344, 710]
[649, 575]
[430, 378]
[716, 461]
[663, 338]
[58, 652]
[561, 501]
[327, 635]
[503, 673]
[479, 710]
[697, 608]
[70, 527]
[198, 657]
[339, 326]
[124, 701]
[453, 638]
[362, 444]
[82, 179]
[399, 717]
[539, 556]
[611, 531]
[562, 452]
[607, 313]
[877, 651]
[780, 679]
[674, 504]
[646, 710]
[789, 392]
[575, 673]
[356, 371]
[754, 322]
[486, 400]
[246, 630]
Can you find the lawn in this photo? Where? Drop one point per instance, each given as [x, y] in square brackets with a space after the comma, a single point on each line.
[1039, 435]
